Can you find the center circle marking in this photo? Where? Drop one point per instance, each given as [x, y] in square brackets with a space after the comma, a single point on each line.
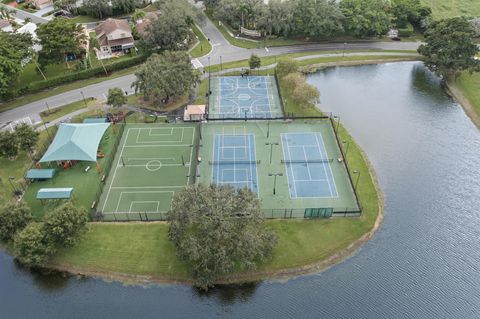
[244, 97]
[153, 165]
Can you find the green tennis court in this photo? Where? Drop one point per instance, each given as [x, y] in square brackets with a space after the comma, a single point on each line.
[294, 168]
[153, 162]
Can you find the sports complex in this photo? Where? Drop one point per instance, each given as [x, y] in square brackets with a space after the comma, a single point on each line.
[296, 166]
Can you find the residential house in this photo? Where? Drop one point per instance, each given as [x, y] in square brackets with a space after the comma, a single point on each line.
[31, 28]
[114, 38]
[40, 4]
[5, 26]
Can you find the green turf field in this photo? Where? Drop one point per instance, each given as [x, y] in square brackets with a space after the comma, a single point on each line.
[153, 161]
[238, 153]
[452, 8]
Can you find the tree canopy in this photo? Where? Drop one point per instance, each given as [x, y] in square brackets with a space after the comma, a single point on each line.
[165, 76]
[65, 223]
[366, 17]
[449, 47]
[254, 62]
[32, 246]
[15, 51]
[116, 97]
[13, 218]
[59, 37]
[218, 230]
[26, 136]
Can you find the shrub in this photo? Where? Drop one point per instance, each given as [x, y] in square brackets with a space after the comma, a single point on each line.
[64, 224]
[13, 217]
[31, 245]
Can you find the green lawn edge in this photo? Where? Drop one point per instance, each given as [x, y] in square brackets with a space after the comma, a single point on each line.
[203, 47]
[142, 252]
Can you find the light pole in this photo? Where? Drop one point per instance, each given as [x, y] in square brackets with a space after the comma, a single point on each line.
[344, 45]
[358, 177]
[348, 144]
[84, 101]
[271, 149]
[338, 122]
[275, 180]
[46, 129]
[268, 129]
[221, 65]
[48, 107]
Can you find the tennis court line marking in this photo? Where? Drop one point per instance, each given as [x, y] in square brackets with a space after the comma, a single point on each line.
[115, 172]
[143, 201]
[142, 192]
[290, 167]
[140, 187]
[173, 145]
[324, 149]
[139, 129]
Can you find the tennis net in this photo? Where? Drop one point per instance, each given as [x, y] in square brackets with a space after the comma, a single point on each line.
[229, 162]
[308, 161]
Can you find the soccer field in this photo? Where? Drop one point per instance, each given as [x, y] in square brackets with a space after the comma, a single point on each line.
[153, 162]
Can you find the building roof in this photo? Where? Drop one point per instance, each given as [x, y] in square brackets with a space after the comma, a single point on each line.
[192, 112]
[76, 142]
[54, 193]
[113, 29]
[36, 173]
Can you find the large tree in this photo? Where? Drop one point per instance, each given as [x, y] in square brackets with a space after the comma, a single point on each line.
[217, 230]
[8, 144]
[409, 11]
[26, 136]
[15, 51]
[97, 8]
[365, 18]
[165, 76]
[65, 223]
[317, 18]
[13, 218]
[449, 47]
[171, 31]
[59, 37]
[116, 97]
[32, 246]
[286, 66]
[67, 5]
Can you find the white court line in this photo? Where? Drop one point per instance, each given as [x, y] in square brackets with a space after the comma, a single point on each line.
[138, 141]
[324, 149]
[141, 192]
[161, 129]
[140, 187]
[175, 145]
[143, 201]
[308, 166]
[115, 172]
[284, 136]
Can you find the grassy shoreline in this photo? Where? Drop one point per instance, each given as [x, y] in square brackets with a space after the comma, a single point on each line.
[141, 252]
[466, 90]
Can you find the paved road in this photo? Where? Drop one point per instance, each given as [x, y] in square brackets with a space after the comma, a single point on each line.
[23, 15]
[221, 48]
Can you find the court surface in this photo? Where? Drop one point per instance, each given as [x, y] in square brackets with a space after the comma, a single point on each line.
[240, 97]
[234, 161]
[292, 165]
[308, 166]
[153, 162]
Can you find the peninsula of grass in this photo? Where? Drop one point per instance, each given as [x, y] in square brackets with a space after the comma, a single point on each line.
[142, 251]
[202, 47]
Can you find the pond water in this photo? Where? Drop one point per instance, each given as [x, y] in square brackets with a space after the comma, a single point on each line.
[423, 262]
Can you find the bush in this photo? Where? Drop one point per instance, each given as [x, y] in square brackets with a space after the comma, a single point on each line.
[82, 75]
[13, 217]
[285, 67]
[31, 245]
[406, 32]
[64, 224]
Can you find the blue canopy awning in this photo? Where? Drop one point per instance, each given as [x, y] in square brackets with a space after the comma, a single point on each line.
[55, 193]
[35, 173]
[95, 120]
[76, 142]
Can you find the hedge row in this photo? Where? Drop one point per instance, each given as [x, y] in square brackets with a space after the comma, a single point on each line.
[82, 75]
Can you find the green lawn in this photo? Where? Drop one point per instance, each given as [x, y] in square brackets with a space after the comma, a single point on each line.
[16, 168]
[203, 47]
[84, 19]
[58, 112]
[470, 86]
[144, 249]
[452, 8]
[85, 184]
[242, 43]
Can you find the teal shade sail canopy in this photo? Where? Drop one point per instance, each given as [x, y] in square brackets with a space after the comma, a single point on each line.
[77, 142]
[55, 193]
[35, 173]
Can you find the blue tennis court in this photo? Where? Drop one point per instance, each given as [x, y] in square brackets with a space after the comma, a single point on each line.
[240, 97]
[234, 161]
[308, 166]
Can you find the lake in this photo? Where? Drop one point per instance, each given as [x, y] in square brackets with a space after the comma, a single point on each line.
[422, 263]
